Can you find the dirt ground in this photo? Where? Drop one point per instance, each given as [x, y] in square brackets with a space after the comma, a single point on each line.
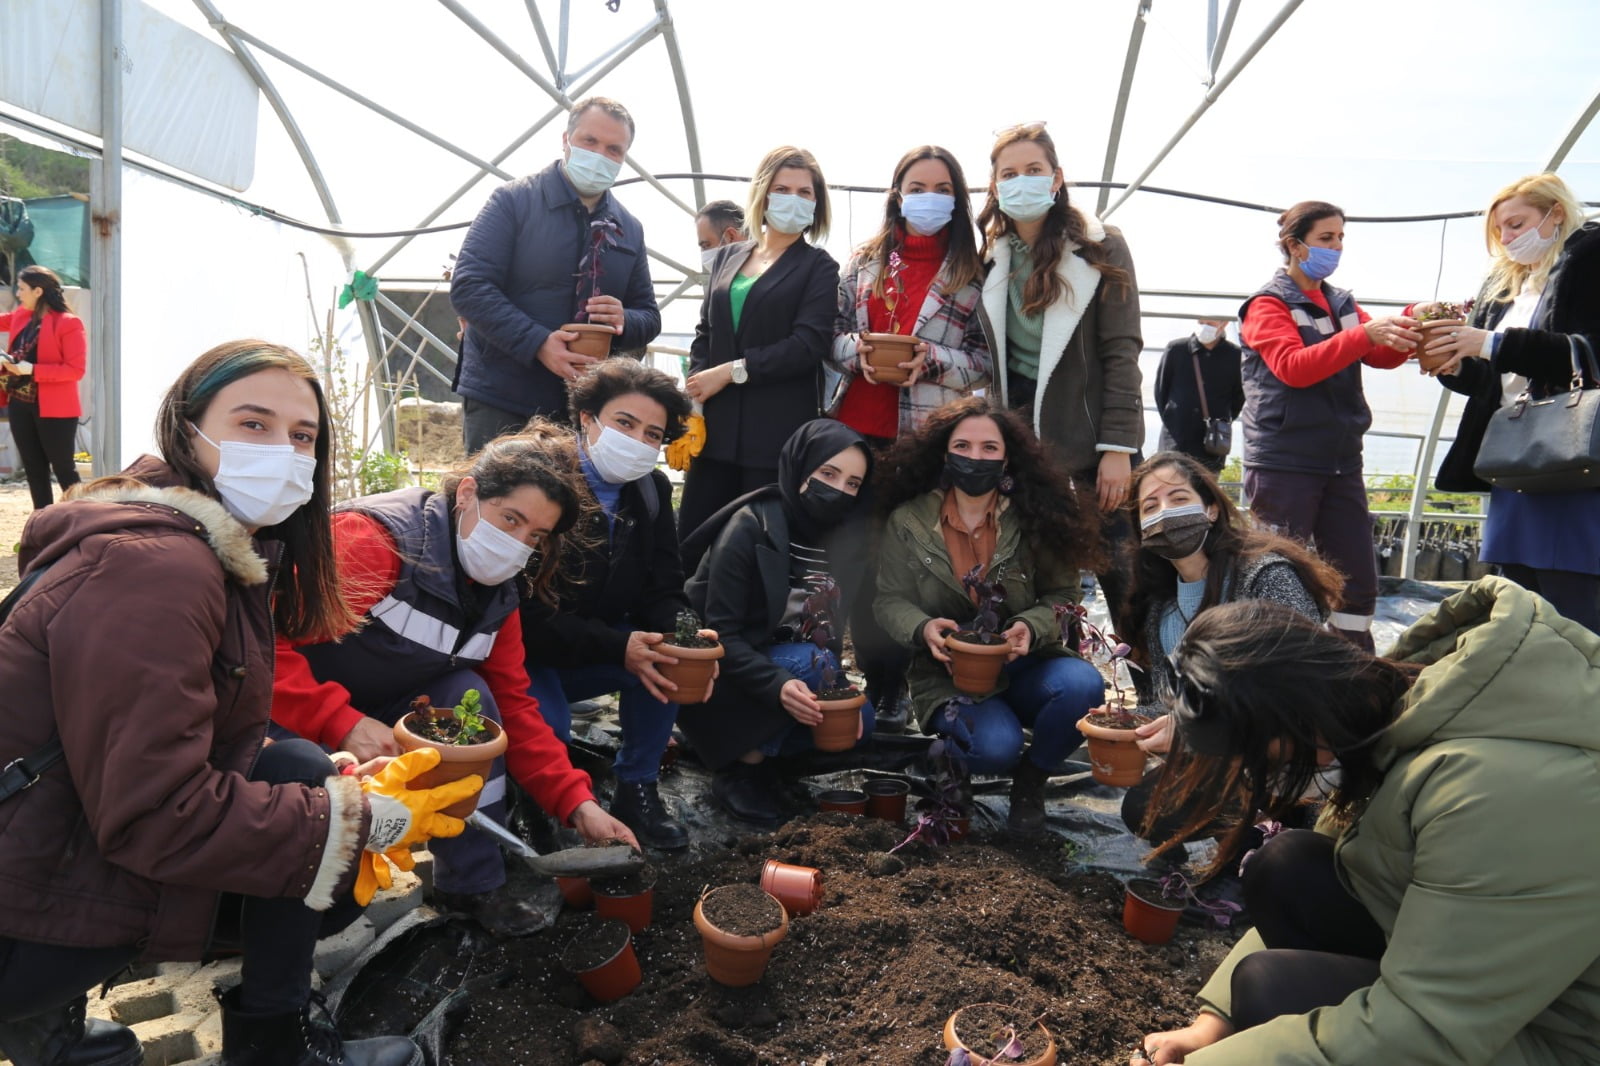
[869, 978]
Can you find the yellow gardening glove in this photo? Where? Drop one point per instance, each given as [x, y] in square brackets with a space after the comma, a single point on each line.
[681, 452]
[373, 875]
[402, 816]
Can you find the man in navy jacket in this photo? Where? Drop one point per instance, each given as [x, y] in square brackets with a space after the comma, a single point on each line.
[516, 279]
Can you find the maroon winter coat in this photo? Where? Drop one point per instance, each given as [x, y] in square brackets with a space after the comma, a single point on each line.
[148, 646]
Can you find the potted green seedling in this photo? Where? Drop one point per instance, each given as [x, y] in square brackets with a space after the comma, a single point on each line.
[467, 740]
[697, 657]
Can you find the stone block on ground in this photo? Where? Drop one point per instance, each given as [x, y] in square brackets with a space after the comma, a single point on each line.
[336, 952]
[389, 905]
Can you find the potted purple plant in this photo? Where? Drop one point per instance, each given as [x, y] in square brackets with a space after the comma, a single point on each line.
[1017, 1040]
[1114, 754]
[593, 339]
[978, 651]
[942, 815]
[1434, 322]
[1151, 908]
[891, 349]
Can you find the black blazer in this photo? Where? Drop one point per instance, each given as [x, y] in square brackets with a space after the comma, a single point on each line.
[785, 331]
[740, 589]
[1540, 353]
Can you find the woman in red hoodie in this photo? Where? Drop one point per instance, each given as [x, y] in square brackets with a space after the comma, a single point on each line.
[43, 364]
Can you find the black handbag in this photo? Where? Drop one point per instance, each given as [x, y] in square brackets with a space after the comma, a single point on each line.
[1548, 445]
[1218, 438]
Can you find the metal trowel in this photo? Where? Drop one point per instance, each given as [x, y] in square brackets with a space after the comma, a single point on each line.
[608, 861]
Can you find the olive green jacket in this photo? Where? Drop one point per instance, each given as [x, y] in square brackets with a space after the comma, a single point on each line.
[916, 583]
[1478, 855]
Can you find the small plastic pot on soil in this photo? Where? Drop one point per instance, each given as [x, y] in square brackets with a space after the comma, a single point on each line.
[455, 760]
[889, 350]
[693, 670]
[841, 720]
[576, 891]
[1115, 757]
[843, 800]
[886, 798]
[739, 926]
[798, 888]
[593, 340]
[630, 897]
[974, 663]
[601, 958]
[1149, 915]
[984, 1028]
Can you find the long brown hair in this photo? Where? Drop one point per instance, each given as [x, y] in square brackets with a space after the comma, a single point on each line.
[53, 298]
[1232, 541]
[963, 265]
[308, 605]
[1062, 223]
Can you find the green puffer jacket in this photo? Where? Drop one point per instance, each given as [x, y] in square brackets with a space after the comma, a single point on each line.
[916, 583]
[1478, 855]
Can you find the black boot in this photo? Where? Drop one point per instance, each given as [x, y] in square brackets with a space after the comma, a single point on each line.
[637, 805]
[1027, 798]
[64, 1037]
[298, 1039]
[499, 910]
[747, 791]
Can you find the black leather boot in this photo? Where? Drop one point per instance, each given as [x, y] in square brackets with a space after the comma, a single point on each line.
[299, 1039]
[499, 910]
[747, 791]
[65, 1037]
[637, 805]
[1027, 799]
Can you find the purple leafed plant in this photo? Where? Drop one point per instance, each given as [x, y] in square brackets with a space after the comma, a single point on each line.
[604, 232]
[1446, 310]
[1010, 1051]
[1094, 645]
[990, 594]
[945, 803]
[1177, 888]
[1269, 829]
[895, 291]
[818, 611]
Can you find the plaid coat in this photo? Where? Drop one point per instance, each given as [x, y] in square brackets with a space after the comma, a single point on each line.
[958, 353]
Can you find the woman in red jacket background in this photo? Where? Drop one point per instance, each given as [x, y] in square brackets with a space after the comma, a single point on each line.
[44, 362]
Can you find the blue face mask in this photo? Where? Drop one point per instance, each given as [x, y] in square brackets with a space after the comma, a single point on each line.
[1026, 197]
[590, 172]
[1321, 263]
[927, 212]
[788, 213]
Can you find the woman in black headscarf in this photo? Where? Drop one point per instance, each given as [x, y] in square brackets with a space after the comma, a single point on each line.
[765, 554]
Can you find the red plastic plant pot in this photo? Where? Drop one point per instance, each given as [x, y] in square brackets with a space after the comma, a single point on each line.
[798, 888]
[617, 974]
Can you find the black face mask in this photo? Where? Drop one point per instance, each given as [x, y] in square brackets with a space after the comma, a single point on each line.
[975, 477]
[824, 504]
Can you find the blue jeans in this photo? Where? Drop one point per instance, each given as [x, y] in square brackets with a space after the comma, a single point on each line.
[805, 662]
[646, 721]
[1050, 695]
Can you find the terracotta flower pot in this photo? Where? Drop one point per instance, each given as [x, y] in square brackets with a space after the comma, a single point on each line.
[1147, 915]
[798, 888]
[691, 673]
[840, 721]
[736, 959]
[889, 350]
[631, 897]
[985, 1043]
[455, 760]
[1114, 756]
[960, 828]
[617, 971]
[576, 891]
[886, 798]
[975, 667]
[593, 340]
[1437, 328]
[843, 800]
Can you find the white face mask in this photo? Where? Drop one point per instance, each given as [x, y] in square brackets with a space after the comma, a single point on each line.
[262, 484]
[707, 255]
[490, 555]
[1207, 333]
[618, 458]
[1529, 246]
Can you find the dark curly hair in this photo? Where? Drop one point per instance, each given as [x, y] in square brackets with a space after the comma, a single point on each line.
[620, 377]
[1056, 517]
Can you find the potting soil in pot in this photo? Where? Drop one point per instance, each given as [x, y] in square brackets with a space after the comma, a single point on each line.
[744, 910]
[870, 978]
[629, 884]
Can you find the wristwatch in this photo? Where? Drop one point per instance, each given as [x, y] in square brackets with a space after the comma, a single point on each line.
[737, 372]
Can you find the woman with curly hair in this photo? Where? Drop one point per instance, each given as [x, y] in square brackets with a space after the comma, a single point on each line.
[973, 489]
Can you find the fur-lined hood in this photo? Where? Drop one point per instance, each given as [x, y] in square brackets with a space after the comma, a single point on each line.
[143, 496]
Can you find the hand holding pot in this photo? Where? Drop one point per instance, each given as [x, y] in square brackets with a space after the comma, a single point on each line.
[368, 739]
[1020, 637]
[1156, 737]
[915, 364]
[1462, 342]
[933, 634]
[1170, 1047]
[403, 816]
[800, 702]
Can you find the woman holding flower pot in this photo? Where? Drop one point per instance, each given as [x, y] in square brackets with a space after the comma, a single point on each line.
[759, 564]
[765, 326]
[1434, 923]
[436, 579]
[149, 822]
[973, 489]
[1539, 293]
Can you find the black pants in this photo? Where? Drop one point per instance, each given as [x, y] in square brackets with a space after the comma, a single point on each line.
[43, 444]
[1322, 944]
[1575, 595]
[711, 484]
[481, 423]
[278, 936]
